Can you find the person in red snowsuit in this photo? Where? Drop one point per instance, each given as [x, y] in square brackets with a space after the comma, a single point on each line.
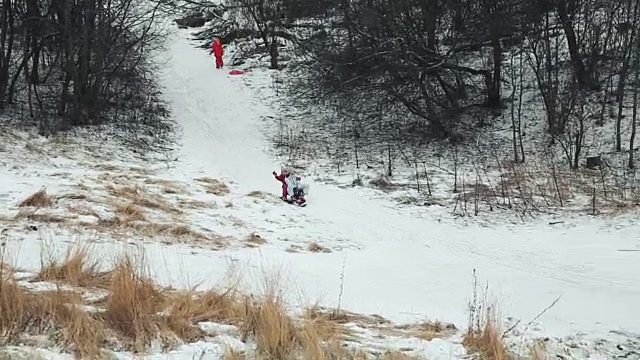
[217, 51]
[283, 179]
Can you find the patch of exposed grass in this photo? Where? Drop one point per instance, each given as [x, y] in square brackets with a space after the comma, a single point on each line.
[33, 215]
[80, 332]
[168, 186]
[38, 199]
[428, 330]
[231, 354]
[77, 267]
[27, 311]
[178, 232]
[129, 212]
[214, 186]
[132, 305]
[141, 198]
[107, 167]
[317, 248]
[137, 312]
[343, 317]
[195, 204]
[254, 240]
[266, 321]
[483, 335]
[486, 339]
[190, 307]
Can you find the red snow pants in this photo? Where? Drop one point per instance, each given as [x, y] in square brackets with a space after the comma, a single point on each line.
[219, 62]
[284, 190]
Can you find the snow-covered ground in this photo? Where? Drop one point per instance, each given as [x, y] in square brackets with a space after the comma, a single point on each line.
[349, 247]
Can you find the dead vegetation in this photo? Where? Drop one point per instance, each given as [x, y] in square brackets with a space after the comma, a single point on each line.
[428, 330]
[137, 313]
[214, 186]
[484, 336]
[195, 204]
[317, 248]
[38, 199]
[34, 215]
[132, 306]
[255, 240]
[139, 197]
[258, 194]
[168, 186]
[135, 211]
[77, 267]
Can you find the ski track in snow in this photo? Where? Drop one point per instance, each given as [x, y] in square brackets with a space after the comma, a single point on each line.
[397, 264]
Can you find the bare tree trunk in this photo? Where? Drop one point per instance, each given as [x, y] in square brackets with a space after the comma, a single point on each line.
[634, 115]
[7, 33]
[516, 158]
[629, 40]
[585, 79]
[520, 96]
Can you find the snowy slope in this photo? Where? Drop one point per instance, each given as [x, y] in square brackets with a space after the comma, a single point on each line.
[397, 264]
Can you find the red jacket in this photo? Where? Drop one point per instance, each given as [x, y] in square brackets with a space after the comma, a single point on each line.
[280, 178]
[217, 49]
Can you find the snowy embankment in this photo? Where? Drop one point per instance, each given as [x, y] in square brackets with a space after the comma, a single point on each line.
[216, 208]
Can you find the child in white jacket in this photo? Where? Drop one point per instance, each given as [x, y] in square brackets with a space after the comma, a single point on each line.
[296, 190]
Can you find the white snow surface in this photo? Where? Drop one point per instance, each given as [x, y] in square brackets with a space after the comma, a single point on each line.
[404, 263]
[398, 263]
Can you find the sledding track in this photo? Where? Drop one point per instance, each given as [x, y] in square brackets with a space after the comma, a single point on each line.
[397, 264]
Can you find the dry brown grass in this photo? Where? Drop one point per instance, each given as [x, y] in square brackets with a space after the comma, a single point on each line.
[254, 240]
[168, 186]
[129, 212]
[79, 330]
[33, 215]
[262, 195]
[195, 204]
[343, 317]
[214, 186]
[18, 309]
[38, 199]
[178, 233]
[77, 267]
[231, 354]
[107, 167]
[429, 330]
[537, 351]
[132, 305]
[137, 312]
[27, 311]
[83, 210]
[317, 248]
[140, 197]
[267, 322]
[484, 336]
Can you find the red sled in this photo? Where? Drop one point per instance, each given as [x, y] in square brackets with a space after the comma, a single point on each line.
[236, 72]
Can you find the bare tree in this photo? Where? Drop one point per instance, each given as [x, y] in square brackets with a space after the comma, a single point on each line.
[77, 63]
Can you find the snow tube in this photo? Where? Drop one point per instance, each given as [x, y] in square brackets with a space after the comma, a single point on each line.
[236, 72]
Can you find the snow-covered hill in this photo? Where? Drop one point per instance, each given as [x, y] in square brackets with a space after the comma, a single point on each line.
[216, 207]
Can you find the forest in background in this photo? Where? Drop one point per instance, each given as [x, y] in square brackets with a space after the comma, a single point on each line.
[66, 64]
[500, 86]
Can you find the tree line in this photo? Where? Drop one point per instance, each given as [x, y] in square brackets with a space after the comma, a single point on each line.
[70, 63]
[421, 70]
